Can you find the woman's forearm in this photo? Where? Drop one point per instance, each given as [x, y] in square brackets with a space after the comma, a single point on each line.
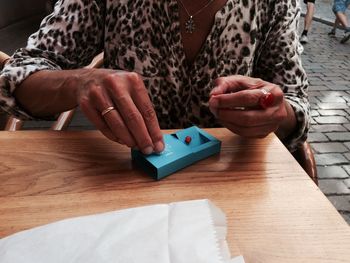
[46, 93]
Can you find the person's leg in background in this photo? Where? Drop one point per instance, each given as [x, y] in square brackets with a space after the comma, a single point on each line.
[310, 10]
[339, 8]
[334, 29]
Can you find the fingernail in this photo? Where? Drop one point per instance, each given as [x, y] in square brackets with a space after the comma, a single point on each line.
[159, 146]
[148, 150]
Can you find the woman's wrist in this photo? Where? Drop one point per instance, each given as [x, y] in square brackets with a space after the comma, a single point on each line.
[71, 87]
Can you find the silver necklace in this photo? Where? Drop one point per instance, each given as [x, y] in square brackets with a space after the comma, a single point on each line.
[190, 25]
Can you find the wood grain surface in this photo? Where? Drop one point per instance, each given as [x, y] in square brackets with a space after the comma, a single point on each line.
[275, 212]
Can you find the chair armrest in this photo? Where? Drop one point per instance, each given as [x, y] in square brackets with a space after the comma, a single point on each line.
[3, 58]
[97, 61]
[13, 124]
[305, 157]
[63, 121]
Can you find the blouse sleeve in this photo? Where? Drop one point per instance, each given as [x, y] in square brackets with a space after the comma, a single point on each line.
[279, 62]
[67, 39]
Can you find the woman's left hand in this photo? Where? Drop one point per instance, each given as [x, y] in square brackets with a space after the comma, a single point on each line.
[241, 105]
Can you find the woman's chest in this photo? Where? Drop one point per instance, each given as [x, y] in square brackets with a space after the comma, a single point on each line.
[196, 21]
[150, 37]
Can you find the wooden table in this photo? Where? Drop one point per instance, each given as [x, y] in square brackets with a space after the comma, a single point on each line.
[275, 212]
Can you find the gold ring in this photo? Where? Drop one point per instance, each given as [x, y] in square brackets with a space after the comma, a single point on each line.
[103, 113]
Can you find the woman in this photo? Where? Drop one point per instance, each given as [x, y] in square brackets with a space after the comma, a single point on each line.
[204, 62]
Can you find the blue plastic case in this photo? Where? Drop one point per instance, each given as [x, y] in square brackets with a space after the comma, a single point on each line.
[177, 153]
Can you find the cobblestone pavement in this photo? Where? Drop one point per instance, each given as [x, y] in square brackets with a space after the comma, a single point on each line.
[327, 63]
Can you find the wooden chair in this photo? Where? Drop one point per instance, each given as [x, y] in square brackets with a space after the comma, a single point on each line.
[64, 119]
[6, 122]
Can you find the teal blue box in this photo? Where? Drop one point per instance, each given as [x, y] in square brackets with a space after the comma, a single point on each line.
[177, 153]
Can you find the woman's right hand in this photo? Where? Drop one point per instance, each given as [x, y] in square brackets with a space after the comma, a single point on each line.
[133, 121]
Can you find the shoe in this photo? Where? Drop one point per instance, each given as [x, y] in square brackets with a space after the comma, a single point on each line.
[332, 33]
[304, 39]
[346, 37]
[300, 49]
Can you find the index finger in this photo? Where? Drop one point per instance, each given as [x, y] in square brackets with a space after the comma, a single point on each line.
[243, 98]
[235, 83]
[145, 106]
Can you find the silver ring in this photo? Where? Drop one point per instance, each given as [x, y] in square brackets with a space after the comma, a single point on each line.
[238, 108]
[264, 91]
[104, 112]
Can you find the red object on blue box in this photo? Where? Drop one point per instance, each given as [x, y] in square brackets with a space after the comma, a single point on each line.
[188, 139]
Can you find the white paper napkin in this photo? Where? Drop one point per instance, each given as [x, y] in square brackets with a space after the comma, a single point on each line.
[183, 232]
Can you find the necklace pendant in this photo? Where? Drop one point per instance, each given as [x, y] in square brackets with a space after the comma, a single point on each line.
[190, 25]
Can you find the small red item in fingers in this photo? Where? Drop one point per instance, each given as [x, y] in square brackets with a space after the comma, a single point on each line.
[188, 139]
[266, 100]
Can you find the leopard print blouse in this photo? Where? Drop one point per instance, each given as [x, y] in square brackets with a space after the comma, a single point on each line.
[256, 38]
